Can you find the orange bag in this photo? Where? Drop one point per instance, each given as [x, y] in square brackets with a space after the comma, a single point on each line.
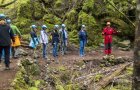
[17, 41]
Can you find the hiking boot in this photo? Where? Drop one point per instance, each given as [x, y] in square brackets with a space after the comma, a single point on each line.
[7, 68]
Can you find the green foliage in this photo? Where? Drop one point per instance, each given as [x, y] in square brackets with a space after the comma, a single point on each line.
[88, 5]
[24, 24]
[59, 87]
[98, 77]
[73, 36]
[58, 3]
[24, 10]
[74, 13]
[129, 70]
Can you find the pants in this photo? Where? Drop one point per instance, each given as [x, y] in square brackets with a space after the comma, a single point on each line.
[55, 49]
[6, 54]
[108, 48]
[82, 47]
[44, 50]
[14, 51]
[64, 47]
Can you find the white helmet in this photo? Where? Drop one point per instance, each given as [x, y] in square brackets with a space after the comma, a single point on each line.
[83, 26]
[63, 25]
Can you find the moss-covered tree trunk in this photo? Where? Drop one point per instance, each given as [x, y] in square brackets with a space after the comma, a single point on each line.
[136, 77]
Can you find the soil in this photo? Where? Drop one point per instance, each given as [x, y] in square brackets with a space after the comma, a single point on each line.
[7, 76]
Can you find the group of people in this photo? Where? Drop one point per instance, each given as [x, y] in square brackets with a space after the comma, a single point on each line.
[10, 39]
[8, 32]
[58, 35]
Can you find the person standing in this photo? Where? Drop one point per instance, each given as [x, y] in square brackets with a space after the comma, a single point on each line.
[55, 40]
[34, 41]
[63, 39]
[44, 40]
[108, 31]
[34, 38]
[6, 34]
[83, 40]
[17, 36]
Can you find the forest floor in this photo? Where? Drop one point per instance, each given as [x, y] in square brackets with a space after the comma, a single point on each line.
[7, 76]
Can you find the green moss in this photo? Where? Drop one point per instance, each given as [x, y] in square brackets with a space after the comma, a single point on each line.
[59, 87]
[24, 77]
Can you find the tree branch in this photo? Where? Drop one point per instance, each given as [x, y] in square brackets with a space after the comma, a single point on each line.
[121, 13]
[7, 4]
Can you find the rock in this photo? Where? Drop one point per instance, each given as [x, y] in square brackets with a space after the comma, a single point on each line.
[124, 44]
[124, 49]
[102, 45]
[22, 52]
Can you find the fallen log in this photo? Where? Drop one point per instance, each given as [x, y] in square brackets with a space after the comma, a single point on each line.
[106, 80]
[102, 71]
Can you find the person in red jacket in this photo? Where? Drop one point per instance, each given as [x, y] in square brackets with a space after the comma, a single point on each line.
[108, 31]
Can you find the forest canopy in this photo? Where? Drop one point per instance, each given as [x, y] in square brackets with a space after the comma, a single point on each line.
[74, 13]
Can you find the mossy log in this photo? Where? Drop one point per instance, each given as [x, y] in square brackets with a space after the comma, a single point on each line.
[106, 80]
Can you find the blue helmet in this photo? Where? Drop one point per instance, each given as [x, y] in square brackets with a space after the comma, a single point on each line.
[2, 16]
[44, 26]
[33, 26]
[63, 25]
[8, 21]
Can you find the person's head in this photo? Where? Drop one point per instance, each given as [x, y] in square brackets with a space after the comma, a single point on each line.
[2, 19]
[34, 27]
[44, 27]
[108, 23]
[63, 26]
[8, 21]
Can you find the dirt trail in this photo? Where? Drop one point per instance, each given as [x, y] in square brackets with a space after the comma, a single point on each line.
[6, 77]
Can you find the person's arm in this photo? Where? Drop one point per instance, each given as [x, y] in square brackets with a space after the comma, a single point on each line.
[32, 36]
[103, 31]
[12, 35]
[80, 35]
[18, 32]
[42, 36]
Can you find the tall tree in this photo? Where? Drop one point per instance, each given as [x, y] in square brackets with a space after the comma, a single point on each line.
[136, 76]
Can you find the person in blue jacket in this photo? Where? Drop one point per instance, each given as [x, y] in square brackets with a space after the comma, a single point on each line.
[83, 40]
[34, 38]
[55, 40]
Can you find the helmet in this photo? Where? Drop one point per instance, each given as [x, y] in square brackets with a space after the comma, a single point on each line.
[2, 16]
[83, 26]
[56, 26]
[63, 25]
[34, 26]
[44, 26]
[8, 21]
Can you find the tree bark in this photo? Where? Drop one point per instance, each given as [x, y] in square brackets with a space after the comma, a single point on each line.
[136, 73]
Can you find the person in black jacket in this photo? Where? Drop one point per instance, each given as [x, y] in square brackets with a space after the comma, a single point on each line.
[6, 35]
[55, 40]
